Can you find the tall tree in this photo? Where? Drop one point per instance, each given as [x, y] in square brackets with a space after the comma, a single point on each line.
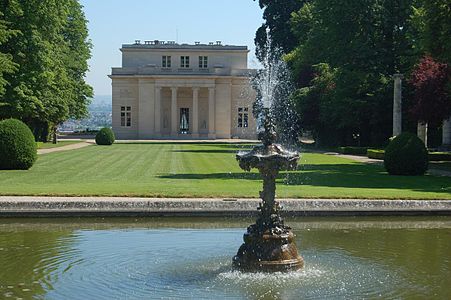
[432, 101]
[50, 51]
[77, 54]
[365, 42]
[277, 14]
[7, 65]
[433, 21]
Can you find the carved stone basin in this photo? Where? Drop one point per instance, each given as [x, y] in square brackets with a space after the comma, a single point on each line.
[273, 156]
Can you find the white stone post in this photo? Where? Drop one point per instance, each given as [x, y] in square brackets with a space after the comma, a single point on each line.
[195, 118]
[157, 115]
[397, 104]
[211, 113]
[422, 132]
[446, 132]
[174, 131]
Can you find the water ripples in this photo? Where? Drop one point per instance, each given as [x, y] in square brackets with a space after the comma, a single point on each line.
[175, 264]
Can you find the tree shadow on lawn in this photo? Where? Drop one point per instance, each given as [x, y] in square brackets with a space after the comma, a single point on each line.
[203, 143]
[223, 148]
[226, 176]
[339, 175]
[207, 151]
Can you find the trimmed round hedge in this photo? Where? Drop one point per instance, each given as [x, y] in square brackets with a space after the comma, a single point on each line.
[18, 150]
[406, 154]
[105, 136]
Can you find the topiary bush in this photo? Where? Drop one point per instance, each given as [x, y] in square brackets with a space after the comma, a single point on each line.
[352, 150]
[105, 136]
[18, 150]
[406, 155]
[375, 153]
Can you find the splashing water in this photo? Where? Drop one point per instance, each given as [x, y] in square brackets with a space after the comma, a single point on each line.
[274, 88]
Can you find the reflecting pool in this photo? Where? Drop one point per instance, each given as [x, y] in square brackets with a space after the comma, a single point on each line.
[172, 258]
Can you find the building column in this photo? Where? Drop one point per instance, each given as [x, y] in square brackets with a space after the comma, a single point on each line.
[157, 115]
[422, 132]
[446, 132]
[174, 131]
[195, 117]
[211, 113]
[397, 105]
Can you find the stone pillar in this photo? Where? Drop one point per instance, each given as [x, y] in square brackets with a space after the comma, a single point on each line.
[446, 132]
[422, 132]
[397, 105]
[195, 115]
[157, 115]
[174, 131]
[211, 113]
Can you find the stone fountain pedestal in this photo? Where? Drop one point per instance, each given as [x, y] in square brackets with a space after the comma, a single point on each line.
[268, 244]
[268, 253]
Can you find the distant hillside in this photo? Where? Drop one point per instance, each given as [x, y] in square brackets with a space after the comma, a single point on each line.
[100, 103]
[99, 116]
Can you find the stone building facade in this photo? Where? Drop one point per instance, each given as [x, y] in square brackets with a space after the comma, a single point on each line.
[181, 91]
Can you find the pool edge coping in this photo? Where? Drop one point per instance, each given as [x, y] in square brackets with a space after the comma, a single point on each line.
[34, 206]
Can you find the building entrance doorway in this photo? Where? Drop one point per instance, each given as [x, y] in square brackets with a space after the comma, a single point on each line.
[184, 120]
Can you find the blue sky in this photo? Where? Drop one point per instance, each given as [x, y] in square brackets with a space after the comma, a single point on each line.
[116, 22]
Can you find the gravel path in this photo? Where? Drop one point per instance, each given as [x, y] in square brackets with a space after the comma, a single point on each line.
[64, 148]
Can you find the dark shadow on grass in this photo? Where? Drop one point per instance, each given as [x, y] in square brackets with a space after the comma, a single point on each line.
[339, 175]
[203, 143]
[234, 151]
[242, 176]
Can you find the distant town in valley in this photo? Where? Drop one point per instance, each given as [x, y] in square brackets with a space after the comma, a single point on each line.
[99, 116]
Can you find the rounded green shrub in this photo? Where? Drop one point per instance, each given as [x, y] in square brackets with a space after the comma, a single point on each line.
[18, 150]
[105, 136]
[406, 155]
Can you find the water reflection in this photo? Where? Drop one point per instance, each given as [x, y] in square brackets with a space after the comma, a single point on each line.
[31, 260]
[191, 258]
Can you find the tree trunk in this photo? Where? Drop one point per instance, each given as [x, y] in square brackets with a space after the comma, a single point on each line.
[54, 136]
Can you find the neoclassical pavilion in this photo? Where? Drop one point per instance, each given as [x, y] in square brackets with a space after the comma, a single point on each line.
[182, 91]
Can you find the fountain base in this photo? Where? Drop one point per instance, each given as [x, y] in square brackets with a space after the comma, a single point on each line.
[268, 253]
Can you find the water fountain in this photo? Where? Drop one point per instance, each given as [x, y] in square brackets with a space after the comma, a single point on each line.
[269, 244]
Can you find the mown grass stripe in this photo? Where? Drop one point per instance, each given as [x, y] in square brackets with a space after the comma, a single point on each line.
[199, 170]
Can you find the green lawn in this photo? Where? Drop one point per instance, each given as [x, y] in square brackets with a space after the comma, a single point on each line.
[59, 144]
[205, 170]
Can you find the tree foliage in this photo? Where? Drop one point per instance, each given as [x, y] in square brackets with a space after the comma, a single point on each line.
[433, 21]
[344, 55]
[7, 65]
[277, 15]
[430, 81]
[365, 43]
[50, 49]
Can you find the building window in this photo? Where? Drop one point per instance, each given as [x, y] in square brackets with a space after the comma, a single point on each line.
[243, 117]
[184, 61]
[166, 62]
[203, 62]
[126, 116]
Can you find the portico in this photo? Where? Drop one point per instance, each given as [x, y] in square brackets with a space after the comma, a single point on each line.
[178, 102]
